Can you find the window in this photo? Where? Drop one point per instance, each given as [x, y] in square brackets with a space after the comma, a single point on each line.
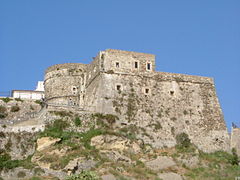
[118, 87]
[117, 64]
[136, 65]
[149, 66]
[146, 91]
[74, 89]
[102, 56]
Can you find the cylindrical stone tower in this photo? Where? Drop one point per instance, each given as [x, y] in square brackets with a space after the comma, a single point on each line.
[64, 84]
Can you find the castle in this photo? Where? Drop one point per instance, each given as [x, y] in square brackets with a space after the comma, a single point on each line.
[126, 84]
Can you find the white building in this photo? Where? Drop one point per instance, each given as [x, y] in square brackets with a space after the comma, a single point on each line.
[30, 94]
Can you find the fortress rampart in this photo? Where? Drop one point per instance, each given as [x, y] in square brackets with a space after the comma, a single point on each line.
[126, 84]
[64, 83]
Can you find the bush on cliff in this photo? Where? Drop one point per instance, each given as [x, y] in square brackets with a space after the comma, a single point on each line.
[15, 108]
[183, 140]
[3, 112]
[84, 175]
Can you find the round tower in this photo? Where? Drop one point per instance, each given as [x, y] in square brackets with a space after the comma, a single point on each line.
[64, 84]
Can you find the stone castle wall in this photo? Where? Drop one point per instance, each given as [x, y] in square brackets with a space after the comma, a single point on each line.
[162, 104]
[235, 140]
[167, 109]
[64, 83]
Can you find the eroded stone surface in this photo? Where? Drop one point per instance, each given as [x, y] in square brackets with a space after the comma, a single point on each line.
[169, 176]
[161, 162]
[45, 142]
[108, 177]
[114, 143]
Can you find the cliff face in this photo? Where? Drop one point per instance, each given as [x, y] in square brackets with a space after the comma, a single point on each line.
[94, 146]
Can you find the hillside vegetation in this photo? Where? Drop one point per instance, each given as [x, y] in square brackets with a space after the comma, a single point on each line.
[103, 152]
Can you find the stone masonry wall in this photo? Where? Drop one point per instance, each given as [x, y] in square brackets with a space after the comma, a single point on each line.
[161, 104]
[235, 140]
[64, 83]
[126, 61]
[173, 104]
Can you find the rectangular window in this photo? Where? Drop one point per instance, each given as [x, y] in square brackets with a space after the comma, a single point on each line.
[147, 91]
[136, 65]
[149, 66]
[117, 64]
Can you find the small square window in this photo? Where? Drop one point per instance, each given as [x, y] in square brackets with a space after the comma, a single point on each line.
[136, 64]
[118, 87]
[117, 64]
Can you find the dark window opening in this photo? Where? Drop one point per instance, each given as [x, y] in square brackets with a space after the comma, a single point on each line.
[136, 65]
[117, 64]
[74, 89]
[172, 92]
[102, 56]
[147, 91]
[148, 66]
[118, 87]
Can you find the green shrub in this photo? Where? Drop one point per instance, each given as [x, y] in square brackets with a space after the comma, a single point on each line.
[15, 108]
[84, 175]
[6, 100]
[77, 121]
[41, 103]
[2, 134]
[105, 119]
[183, 140]
[7, 163]
[3, 109]
[3, 112]
[35, 178]
[19, 99]
[62, 113]
[56, 130]
[234, 160]
[38, 171]
[21, 174]
[4, 126]
[111, 118]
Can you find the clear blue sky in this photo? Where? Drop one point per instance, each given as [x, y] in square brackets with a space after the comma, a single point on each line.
[191, 37]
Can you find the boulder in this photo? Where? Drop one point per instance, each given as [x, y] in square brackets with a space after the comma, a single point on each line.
[111, 142]
[108, 177]
[116, 156]
[170, 175]
[161, 162]
[45, 142]
[79, 164]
